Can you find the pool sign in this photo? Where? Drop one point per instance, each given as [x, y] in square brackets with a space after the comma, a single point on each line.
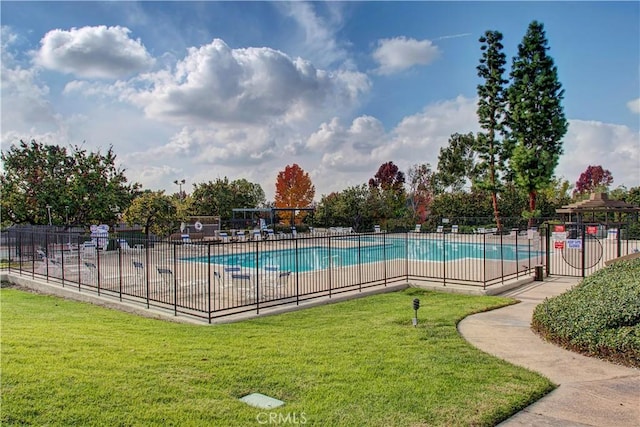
[100, 235]
[592, 230]
[574, 243]
[558, 244]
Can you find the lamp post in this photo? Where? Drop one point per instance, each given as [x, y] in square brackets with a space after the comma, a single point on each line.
[49, 214]
[179, 183]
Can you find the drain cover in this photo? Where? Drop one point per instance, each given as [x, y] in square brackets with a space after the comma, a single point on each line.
[261, 401]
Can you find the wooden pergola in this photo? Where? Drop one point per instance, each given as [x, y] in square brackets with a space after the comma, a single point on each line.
[596, 204]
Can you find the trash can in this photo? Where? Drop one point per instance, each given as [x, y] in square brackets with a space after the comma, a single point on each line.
[539, 273]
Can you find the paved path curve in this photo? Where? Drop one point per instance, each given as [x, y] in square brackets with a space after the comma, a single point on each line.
[591, 392]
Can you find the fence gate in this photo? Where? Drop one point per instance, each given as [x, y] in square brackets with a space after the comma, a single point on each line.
[580, 249]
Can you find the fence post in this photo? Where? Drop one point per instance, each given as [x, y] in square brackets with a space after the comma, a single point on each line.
[329, 261]
[147, 275]
[444, 259]
[120, 269]
[583, 228]
[297, 270]
[384, 257]
[618, 241]
[547, 240]
[406, 254]
[209, 312]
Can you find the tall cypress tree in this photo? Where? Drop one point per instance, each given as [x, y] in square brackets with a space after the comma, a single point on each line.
[535, 114]
[491, 115]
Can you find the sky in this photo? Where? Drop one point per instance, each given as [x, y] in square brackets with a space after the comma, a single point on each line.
[206, 90]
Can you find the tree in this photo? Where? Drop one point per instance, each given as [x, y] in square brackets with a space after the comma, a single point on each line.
[535, 115]
[387, 193]
[388, 177]
[80, 187]
[456, 161]
[219, 197]
[421, 190]
[593, 179]
[154, 211]
[491, 112]
[294, 189]
[346, 208]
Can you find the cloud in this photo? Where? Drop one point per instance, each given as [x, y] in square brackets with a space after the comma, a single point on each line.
[26, 110]
[352, 154]
[634, 105]
[215, 83]
[320, 43]
[93, 52]
[614, 147]
[400, 53]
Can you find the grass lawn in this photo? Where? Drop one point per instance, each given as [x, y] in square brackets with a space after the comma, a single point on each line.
[354, 363]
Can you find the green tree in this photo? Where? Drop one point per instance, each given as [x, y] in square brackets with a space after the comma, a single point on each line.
[80, 187]
[154, 211]
[491, 113]
[535, 115]
[456, 162]
[346, 208]
[221, 196]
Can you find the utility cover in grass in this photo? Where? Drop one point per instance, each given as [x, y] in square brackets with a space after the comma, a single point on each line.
[261, 401]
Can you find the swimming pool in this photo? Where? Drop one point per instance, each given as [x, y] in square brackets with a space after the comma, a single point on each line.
[370, 250]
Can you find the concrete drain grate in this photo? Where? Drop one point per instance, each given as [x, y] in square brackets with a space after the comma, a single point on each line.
[261, 401]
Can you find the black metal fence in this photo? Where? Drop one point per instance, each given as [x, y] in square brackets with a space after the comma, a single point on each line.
[211, 279]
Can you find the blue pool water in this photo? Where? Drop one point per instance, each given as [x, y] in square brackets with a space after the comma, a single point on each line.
[372, 249]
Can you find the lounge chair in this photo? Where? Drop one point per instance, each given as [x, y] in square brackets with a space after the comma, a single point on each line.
[241, 236]
[256, 235]
[224, 237]
[454, 229]
[376, 228]
[275, 283]
[440, 229]
[418, 228]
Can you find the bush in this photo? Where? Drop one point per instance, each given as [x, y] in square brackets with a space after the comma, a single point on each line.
[599, 317]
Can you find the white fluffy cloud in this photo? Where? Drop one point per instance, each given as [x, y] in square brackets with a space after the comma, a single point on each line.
[399, 53]
[634, 105]
[93, 52]
[350, 155]
[614, 147]
[215, 83]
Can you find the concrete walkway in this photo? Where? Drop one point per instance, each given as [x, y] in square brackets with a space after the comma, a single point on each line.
[590, 392]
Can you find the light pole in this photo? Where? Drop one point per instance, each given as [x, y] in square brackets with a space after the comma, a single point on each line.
[49, 214]
[179, 183]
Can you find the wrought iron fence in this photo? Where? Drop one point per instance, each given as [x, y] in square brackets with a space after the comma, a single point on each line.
[209, 279]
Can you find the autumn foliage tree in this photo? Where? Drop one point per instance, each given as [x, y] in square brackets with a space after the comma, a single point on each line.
[294, 189]
[387, 190]
[594, 178]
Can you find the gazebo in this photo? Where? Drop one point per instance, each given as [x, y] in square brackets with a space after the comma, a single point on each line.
[596, 204]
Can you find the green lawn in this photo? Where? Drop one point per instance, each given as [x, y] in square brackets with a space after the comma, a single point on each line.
[355, 363]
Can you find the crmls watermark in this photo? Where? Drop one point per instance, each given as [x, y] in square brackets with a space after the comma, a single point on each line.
[278, 418]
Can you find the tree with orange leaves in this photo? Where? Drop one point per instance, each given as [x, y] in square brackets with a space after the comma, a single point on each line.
[294, 189]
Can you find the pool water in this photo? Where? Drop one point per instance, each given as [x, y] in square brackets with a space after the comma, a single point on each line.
[373, 249]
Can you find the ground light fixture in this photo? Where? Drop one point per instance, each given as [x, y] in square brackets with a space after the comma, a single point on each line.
[416, 306]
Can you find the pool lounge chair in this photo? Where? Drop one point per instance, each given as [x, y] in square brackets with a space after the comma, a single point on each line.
[454, 229]
[418, 228]
[376, 228]
[440, 229]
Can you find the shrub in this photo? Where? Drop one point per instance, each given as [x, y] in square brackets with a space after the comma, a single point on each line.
[599, 317]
